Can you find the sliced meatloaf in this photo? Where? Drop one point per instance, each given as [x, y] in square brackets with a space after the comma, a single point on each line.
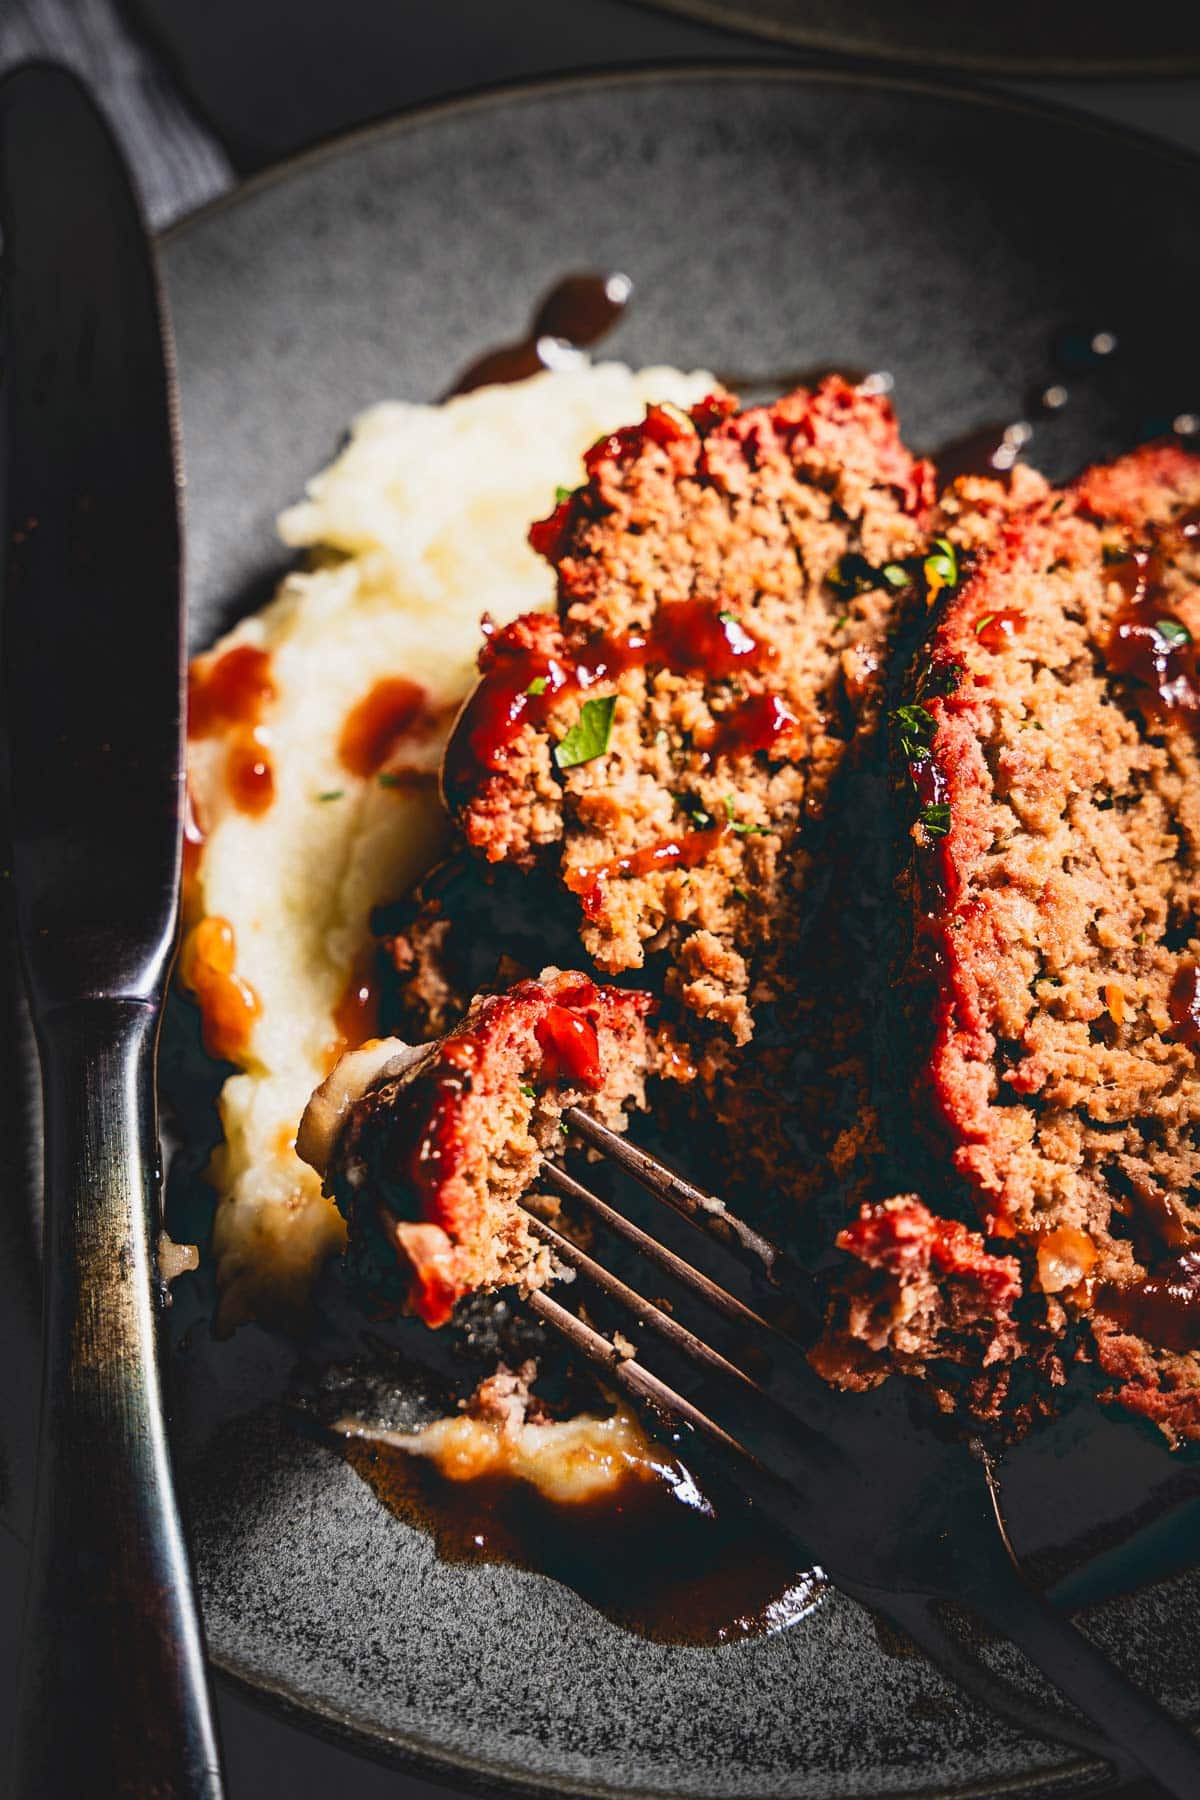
[1053, 993]
[727, 587]
[429, 1150]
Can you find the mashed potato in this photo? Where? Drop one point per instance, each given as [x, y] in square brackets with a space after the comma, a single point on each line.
[414, 532]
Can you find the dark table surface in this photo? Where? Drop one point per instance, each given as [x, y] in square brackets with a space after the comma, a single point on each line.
[206, 93]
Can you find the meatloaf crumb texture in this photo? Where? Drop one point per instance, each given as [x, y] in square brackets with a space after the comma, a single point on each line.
[1050, 732]
[720, 574]
[669, 764]
[429, 1152]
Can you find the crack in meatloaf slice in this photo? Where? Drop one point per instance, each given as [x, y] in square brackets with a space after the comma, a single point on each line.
[666, 744]
[429, 1150]
[1053, 992]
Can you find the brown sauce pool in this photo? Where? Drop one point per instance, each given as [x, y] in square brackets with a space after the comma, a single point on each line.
[657, 1557]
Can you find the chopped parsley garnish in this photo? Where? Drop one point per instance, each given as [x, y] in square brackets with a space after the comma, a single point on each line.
[391, 781]
[742, 895]
[915, 728]
[941, 566]
[728, 618]
[529, 1092]
[982, 624]
[561, 494]
[896, 575]
[935, 820]
[332, 794]
[738, 825]
[1172, 632]
[588, 737]
[537, 685]
[841, 624]
[742, 829]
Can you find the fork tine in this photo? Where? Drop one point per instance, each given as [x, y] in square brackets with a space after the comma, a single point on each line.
[629, 1374]
[642, 1309]
[705, 1211]
[692, 1278]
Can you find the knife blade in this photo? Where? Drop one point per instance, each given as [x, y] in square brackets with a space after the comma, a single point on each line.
[113, 1692]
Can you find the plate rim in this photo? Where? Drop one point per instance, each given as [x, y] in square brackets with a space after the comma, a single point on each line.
[726, 16]
[347, 1730]
[597, 77]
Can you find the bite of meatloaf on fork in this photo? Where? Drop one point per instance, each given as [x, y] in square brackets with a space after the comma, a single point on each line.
[428, 1150]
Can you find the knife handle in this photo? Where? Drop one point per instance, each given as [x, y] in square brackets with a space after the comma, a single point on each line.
[113, 1693]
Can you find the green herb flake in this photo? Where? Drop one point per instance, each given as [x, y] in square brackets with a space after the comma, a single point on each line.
[742, 829]
[694, 810]
[728, 618]
[332, 794]
[588, 737]
[561, 494]
[1172, 632]
[841, 624]
[896, 575]
[529, 1092]
[537, 686]
[915, 729]
[390, 781]
[742, 895]
[935, 820]
[941, 566]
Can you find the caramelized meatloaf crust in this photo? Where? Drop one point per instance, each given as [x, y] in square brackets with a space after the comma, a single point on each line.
[429, 1150]
[666, 744]
[1052, 991]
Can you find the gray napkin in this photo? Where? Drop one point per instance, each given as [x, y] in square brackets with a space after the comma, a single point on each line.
[177, 163]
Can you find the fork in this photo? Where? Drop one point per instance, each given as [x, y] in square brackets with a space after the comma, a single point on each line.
[900, 1519]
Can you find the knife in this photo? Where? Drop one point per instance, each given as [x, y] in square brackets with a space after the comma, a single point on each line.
[113, 1695]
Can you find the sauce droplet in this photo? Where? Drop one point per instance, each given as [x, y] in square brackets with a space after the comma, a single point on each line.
[686, 851]
[229, 694]
[570, 1049]
[576, 313]
[394, 709]
[1184, 1003]
[1163, 1308]
[228, 1005]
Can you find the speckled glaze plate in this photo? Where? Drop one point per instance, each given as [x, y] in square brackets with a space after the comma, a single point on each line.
[1071, 37]
[771, 221]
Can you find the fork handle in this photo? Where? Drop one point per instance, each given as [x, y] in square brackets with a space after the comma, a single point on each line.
[113, 1697]
[1132, 1731]
[1130, 1719]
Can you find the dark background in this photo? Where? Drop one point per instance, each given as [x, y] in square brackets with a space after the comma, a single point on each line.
[209, 91]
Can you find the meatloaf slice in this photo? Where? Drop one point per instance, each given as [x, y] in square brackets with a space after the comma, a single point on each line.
[1053, 989]
[727, 587]
[429, 1150]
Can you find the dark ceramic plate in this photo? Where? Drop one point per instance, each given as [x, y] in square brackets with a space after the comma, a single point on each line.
[1013, 37]
[771, 221]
